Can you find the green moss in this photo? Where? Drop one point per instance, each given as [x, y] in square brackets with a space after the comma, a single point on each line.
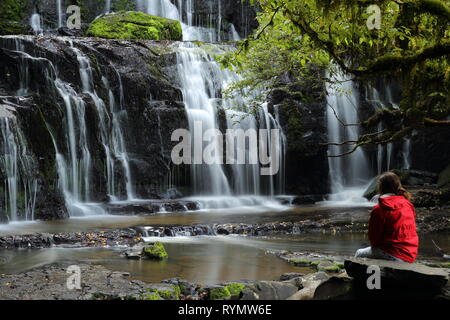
[172, 293]
[13, 10]
[220, 293]
[135, 25]
[156, 251]
[11, 14]
[235, 288]
[330, 269]
[150, 296]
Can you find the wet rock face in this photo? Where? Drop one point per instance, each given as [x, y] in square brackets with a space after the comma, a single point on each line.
[150, 99]
[301, 109]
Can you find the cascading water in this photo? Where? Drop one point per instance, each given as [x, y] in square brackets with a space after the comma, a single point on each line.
[193, 30]
[75, 166]
[348, 174]
[36, 24]
[59, 9]
[111, 131]
[20, 185]
[202, 82]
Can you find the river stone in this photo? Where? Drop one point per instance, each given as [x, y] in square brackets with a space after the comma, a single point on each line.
[269, 290]
[399, 274]
[371, 190]
[444, 177]
[310, 283]
[290, 276]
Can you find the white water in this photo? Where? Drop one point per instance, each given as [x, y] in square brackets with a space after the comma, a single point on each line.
[111, 130]
[74, 165]
[183, 11]
[107, 8]
[36, 24]
[59, 9]
[20, 185]
[202, 81]
[350, 174]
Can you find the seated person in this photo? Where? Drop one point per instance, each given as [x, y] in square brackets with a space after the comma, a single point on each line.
[392, 225]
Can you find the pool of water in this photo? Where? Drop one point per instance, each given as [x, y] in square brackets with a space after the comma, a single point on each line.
[204, 259]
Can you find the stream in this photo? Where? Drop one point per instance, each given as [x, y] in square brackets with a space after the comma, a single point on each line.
[204, 259]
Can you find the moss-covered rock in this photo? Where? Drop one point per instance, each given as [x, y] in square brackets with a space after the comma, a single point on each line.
[135, 25]
[235, 288]
[162, 292]
[219, 293]
[11, 14]
[156, 251]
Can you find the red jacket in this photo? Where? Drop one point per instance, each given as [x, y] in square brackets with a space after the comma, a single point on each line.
[392, 228]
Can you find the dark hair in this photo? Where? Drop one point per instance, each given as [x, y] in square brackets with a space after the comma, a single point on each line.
[389, 182]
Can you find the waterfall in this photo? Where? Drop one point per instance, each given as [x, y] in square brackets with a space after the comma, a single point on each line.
[211, 31]
[202, 82]
[36, 24]
[20, 186]
[406, 153]
[111, 131]
[107, 8]
[348, 174]
[234, 36]
[73, 156]
[59, 9]
[199, 90]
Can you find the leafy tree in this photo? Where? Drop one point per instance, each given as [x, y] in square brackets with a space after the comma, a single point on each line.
[412, 45]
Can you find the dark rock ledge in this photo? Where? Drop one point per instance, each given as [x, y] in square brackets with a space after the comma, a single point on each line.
[98, 283]
[111, 238]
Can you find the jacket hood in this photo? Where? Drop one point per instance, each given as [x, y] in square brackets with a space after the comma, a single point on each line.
[393, 202]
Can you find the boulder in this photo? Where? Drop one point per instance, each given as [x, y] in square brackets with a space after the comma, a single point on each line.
[310, 283]
[156, 251]
[290, 276]
[135, 25]
[371, 190]
[269, 290]
[444, 177]
[399, 278]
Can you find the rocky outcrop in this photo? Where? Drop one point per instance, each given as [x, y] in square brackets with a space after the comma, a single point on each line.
[398, 280]
[16, 15]
[301, 109]
[122, 237]
[137, 76]
[135, 25]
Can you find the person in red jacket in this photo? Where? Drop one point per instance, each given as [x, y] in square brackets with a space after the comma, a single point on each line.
[392, 224]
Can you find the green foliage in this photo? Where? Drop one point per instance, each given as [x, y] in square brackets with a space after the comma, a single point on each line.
[135, 25]
[412, 45]
[220, 293]
[156, 251]
[172, 293]
[235, 288]
[11, 14]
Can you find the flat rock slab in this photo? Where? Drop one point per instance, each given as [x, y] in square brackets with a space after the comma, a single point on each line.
[399, 274]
